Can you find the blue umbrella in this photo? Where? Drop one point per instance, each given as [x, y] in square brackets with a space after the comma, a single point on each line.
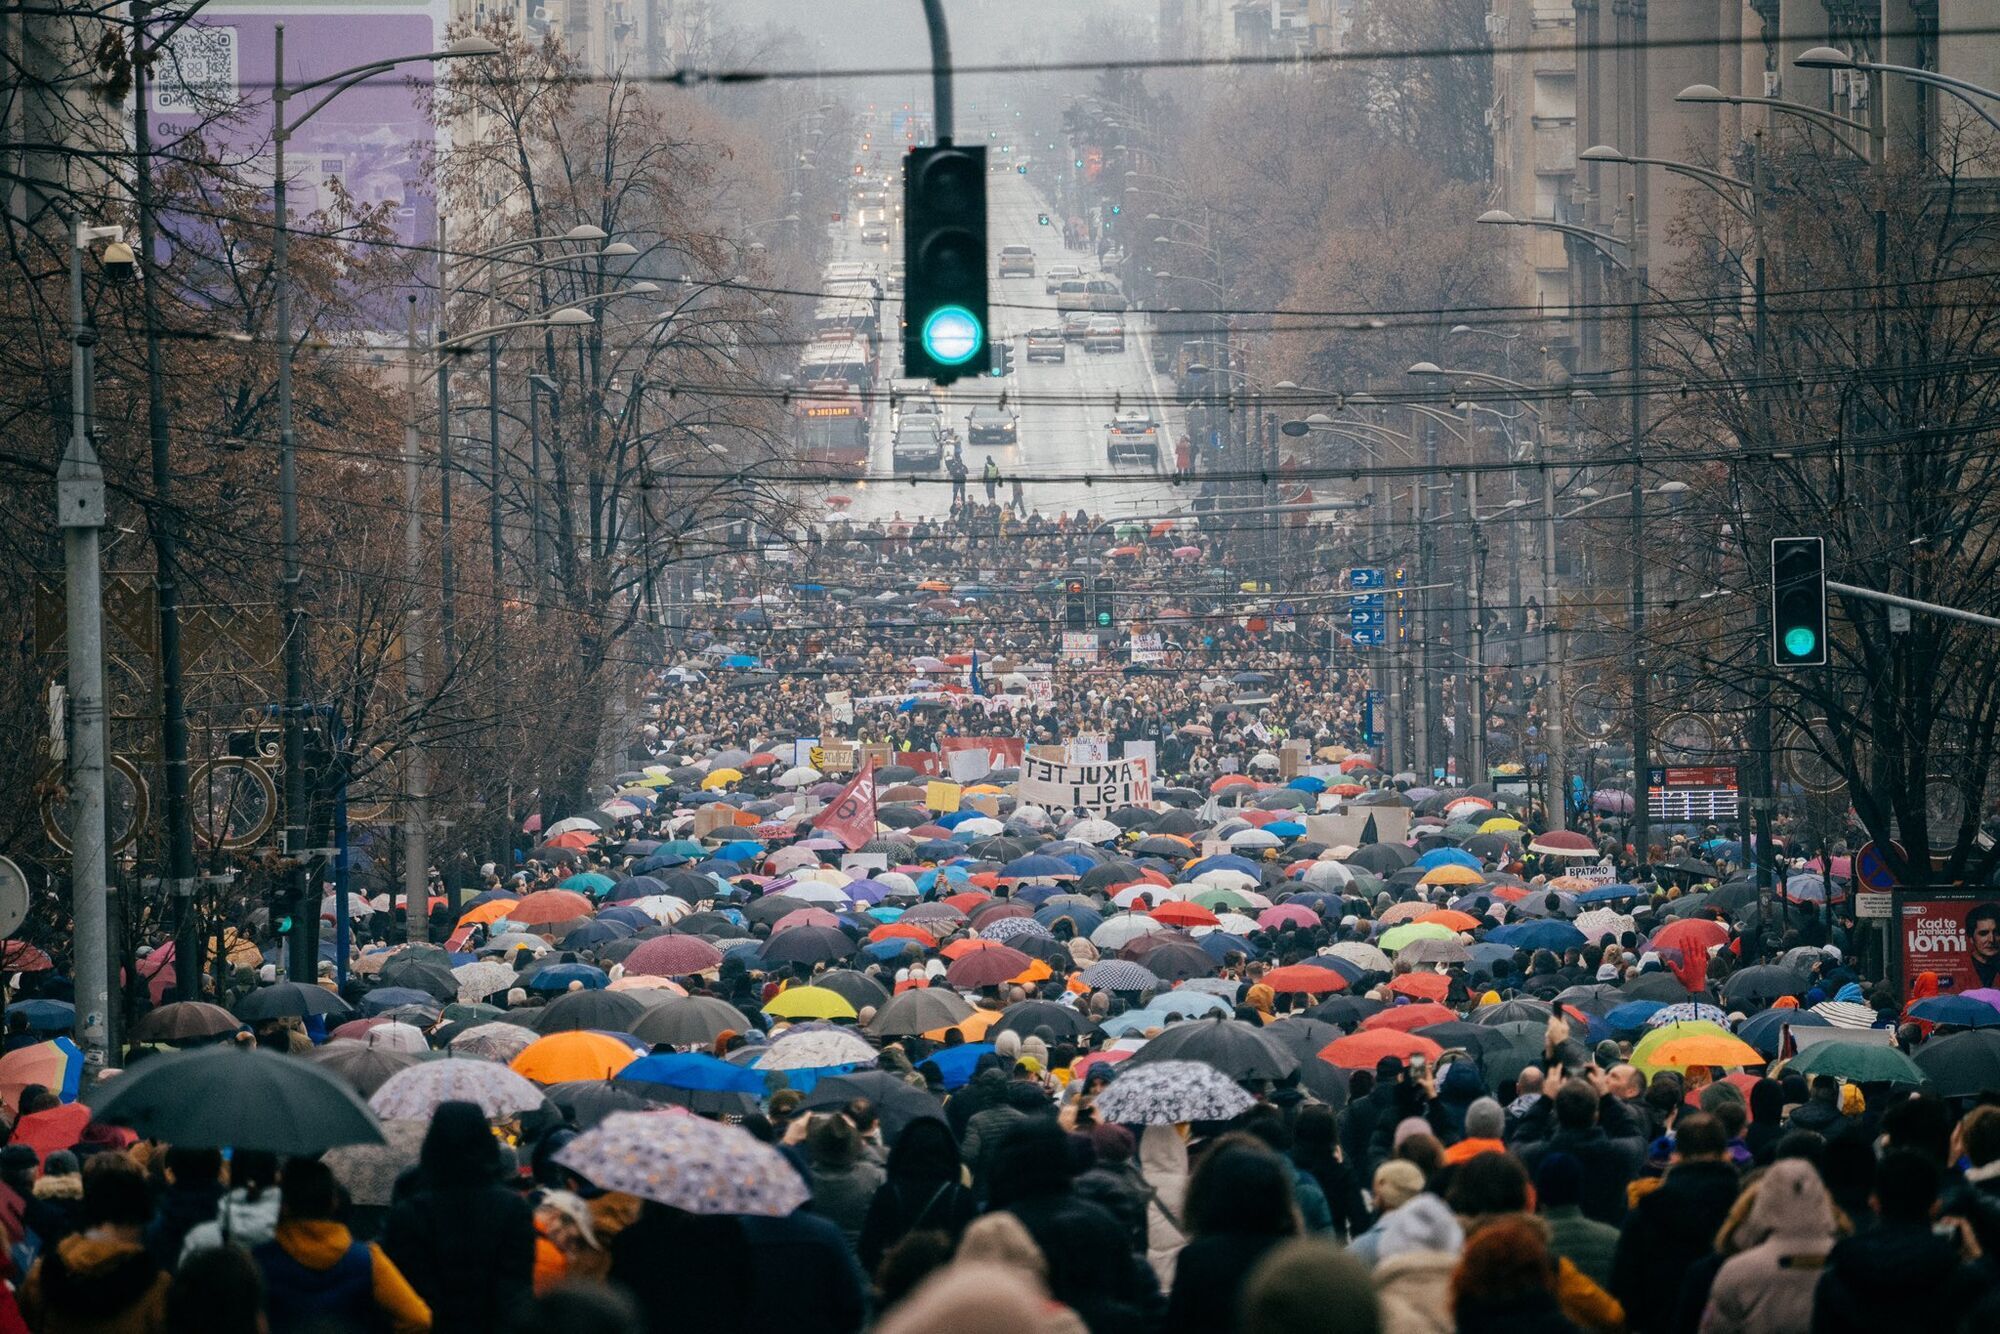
[1285, 828]
[1437, 857]
[1219, 943]
[1607, 893]
[631, 917]
[1225, 862]
[692, 1070]
[383, 999]
[1036, 895]
[598, 931]
[1036, 867]
[1539, 935]
[1486, 953]
[884, 950]
[953, 819]
[45, 1016]
[1307, 783]
[558, 976]
[740, 660]
[1960, 1010]
[1087, 920]
[1632, 1015]
[937, 849]
[1348, 969]
[638, 887]
[663, 860]
[954, 1063]
[1762, 1030]
[742, 850]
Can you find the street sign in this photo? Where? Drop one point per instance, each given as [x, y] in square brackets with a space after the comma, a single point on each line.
[1871, 903]
[1871, 869]
[1370, 638]
[1695, 794]
[13, 897]
[1364, 576]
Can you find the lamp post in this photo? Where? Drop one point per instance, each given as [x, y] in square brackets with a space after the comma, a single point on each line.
[1827, 57]
[300, 959]
[1705, 93]
[80, 515]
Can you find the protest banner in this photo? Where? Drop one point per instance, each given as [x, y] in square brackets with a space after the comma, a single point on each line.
[1092, 787]
[1147, 648]
[970, 758]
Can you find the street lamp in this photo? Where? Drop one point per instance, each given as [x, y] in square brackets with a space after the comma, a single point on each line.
[1714, 180]
[1827, 57]
[1709, 94]
[299, 959]
[1616, 249]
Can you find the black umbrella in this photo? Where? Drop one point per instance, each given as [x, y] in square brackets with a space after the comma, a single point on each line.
[895, 773]
[1519, 1044]
[236, 1097]
[588, 1101]
[365, 1068]
[1345, 1011]
[290, 1000]
[1180, 821]
[1133, 817]
[1106, 874]
[1229, 1045]
[1157, 846]
[1304, 1038]
[419, 974]
[605, 1011]
[772, 907]
[1471, 1038]
[1598, 998]
[897, 1102]
[807, 944]
[1381, 858]
[690, 1021]
[1518, 1010]
[1025, 1017]
[184, 1021]
[998, 849]
[857, 989]
[1654, 986]
[1962, 1065]
[1174, 959]
[919, 1010]
[1755, 988]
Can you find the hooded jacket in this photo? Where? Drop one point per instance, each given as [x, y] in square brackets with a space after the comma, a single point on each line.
[466, 1243]
[238, 1219]
[1896, 1276]
[1163, 1166]
[90, 1285]
[1419, 1250]
[1767, 1287]
[315, 1274]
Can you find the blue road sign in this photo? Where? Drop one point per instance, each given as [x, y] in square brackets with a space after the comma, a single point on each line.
[1363, 618]
[1371, 718]
[1370, 637]
[1215, 439]
[1364, 576]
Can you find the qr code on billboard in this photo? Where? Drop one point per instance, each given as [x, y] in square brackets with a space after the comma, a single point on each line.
[197, 72]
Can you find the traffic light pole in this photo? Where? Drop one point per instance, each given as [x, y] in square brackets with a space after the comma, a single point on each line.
[941, 106]
[1913, 604]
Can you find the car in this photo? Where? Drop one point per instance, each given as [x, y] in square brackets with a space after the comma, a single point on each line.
[1075, 325]
[1092, 294]
[991, 424]
[918, 446]
[1104, 333]
[1058, 274]
[1132, 433]
[1046, 345]
[874, 233]
[1017, 261]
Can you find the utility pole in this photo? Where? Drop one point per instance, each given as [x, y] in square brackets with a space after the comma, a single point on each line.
[447, 572]
[416, 763]
[1642, 723]
[80, 514]
[503, 827]
[1554, 736]
[1476, 640]
[178, 881]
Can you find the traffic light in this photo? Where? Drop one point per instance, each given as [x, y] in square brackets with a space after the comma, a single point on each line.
[1042, 218]
[944, 261]
[1076, 604]
[1104, 615]
[1003, 358]
[1116, 209]
[1798, 602]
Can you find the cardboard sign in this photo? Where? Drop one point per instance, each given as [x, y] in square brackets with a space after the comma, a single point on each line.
[1056, 753]
[840, 703]
[986, 803]
[1392, 825]
[1090, 750]
[970, 758]
[1091, 787]
[716, 815]
[837, 759]
[1144, 750]
[1147, 648]
[941, 797]
[875, 753]
[803, 749]
[1079, 646]
[1214, 847]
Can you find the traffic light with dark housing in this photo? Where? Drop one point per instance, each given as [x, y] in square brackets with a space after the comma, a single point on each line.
[1076, 604]
[1104, 612]
[1798, 602]
[1003, 358]
[944, 262]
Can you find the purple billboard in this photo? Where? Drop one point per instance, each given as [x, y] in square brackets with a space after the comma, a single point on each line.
[215, 80]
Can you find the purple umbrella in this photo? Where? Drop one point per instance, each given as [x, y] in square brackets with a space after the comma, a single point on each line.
[1611, 801]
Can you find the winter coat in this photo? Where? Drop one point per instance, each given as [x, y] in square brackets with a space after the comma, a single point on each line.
[841, 1195]
[89, 1285]
[1415, 1291]
[1767, 1287]
[1667, 1231]
[317, 1276]
[238, 1220]
[1897, 1276]
[1608, 1164]
[470, 1252]
[1163, 1167]
[1209, 1275]
[1584, 1242]
[1536, 1313]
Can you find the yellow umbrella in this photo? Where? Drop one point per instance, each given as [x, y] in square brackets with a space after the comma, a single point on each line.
[654, 781]
[973, 1027]
[1643, 1053]
[987, 788]
[719, 777]
[809, 1003]
[1501, 824]
[1452, 874]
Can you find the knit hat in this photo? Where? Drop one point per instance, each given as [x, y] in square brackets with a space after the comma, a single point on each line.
[1559, 1180]
[1396, 1183]
[1007, 1044]
[1425, 1223]
[1484, 1119]
[1408, 1126]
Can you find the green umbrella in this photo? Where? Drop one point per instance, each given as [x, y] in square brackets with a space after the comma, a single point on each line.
[1396, 937]
[1860, 1062]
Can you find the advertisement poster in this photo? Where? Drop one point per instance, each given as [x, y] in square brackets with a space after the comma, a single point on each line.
[1954, 936]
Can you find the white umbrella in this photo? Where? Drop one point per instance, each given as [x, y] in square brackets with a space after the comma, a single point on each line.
[815, 891]
[1263, 759]
[1094, 831]
[1223, 877]
[416, 1093]
[1602, 921]
[1361, 955]
[1327, 875]
[687, 1163]
[1166, 1093]
[1118, 932]
[572, 824]
[816, 1051]
[496, 1041]
[1033, 816]
[799, 775]
[896, 881]
[1254, 838]
[979, 826]
[357, 906]
[1235, 923]
[666, 909]
[397, 1037]
[481, 978]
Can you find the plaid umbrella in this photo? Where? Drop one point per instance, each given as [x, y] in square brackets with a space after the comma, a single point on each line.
[684, 1162]
[500, 1042]
[1169, 1093]
[414, 1094]
[1688, 1012]
[1009, 927]
[1120, 975]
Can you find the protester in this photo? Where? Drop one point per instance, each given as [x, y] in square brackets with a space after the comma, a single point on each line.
[101, 1279]
[315, 1274]
[1239, 1207]
[1767, 1286]
[466, 1243]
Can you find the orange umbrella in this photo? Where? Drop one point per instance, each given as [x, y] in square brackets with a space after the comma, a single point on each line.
[966, 900]
[901, 931]
[965, 945]
[1705, 1049]
[576, 840]
[561, 1057]
[1426, 986]
[550, 905]
[974, 1026]
[1231, 780]
[1304, 977]
[1179, 913]
[1452, 874]
[1407, 1017]
[1447, 917]
[1360, 1051]
[488, 913]
[1037, 971]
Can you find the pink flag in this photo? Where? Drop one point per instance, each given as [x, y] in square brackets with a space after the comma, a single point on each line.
[851, 815]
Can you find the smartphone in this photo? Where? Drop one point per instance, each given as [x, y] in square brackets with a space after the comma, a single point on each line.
[1419, 1065]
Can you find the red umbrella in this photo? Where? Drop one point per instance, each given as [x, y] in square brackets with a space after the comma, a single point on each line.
[1428, 986]
[1690, 935]
[966, 900]
[1304, 977]
[1563, 843]
[1403, 1018]
[805, 917]
[672, 956]
[18, 956]
[1178, 913]
[987, 968]
[1360, 1051]
[56, 1128]
[549, 905]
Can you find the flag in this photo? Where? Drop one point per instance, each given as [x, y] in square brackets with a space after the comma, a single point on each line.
[972, 675]
[850, 816]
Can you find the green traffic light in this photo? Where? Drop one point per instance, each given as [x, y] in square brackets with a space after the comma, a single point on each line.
[1800, 641]
[952, 336]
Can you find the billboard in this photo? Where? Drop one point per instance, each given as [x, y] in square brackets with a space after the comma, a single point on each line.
[216, 75]
[1953, 935]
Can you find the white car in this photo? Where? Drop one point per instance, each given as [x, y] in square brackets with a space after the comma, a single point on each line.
[1132, 434]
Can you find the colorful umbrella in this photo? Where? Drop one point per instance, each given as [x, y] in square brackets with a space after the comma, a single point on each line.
[416, 1093]
[809, 1003]
[686, 1163]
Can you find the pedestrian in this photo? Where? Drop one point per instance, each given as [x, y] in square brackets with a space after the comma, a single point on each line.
[1309, 1285]
[101, 1279]
[1505, 1283]
[1675, 1225]
[1767, 1286]
[217, 1290]
[955, 468]
[1163, 1174]
[1239, 1208]
[924, 1189]
[466, 1242]
[247, 1215]
[843, 1179]
[989, 476]
[1573, 1236]
[791, 1275]
[1417, 1252]
[1901, 1274]
[317, 1276]
[1397, 1182]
